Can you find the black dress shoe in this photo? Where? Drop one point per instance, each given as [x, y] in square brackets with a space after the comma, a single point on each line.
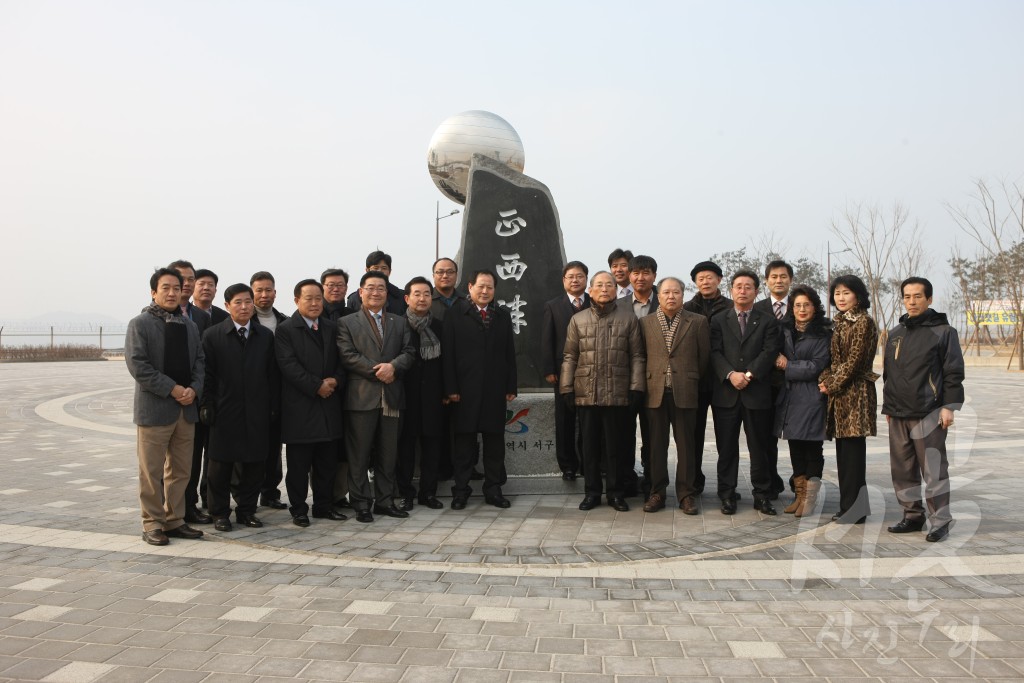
[300, 520]
[184, 531]
[728, 506]
[250, 521]
[432, 502]
[906, 526]
[619, 503]
[364, 516]
[405, 504]
[330, 514]
[845, 518]
[458, 503]
[342, 503]
[936, 535]
[568, 475]
[274, 504]
[590, 502]
[390, 511]
[765, 506]
[498, 501]
[222, 524]
[194, 515]
[155, 537]
[476, 475]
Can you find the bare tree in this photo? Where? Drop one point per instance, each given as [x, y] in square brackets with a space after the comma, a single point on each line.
[994, 219]
[886, 247]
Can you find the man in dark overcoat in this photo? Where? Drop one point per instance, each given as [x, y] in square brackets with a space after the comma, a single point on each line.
[479, 360]
[423, 422]
[311, 382]
[744, 345]
[557, 312]
[240, 400]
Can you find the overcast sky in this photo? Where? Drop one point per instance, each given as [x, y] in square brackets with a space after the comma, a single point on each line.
[292, 136]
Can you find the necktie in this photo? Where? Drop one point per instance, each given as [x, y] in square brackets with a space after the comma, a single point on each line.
[576, 303]
[380, 324]
[314, 326]
[483, 316]
[743, 323]
[778, 310]
[241, 333]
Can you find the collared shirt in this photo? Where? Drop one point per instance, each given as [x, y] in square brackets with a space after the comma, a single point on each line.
[310, 323]
[642, 309]
[623, 291]
[783, 301]
[573, 298]
[241, 327]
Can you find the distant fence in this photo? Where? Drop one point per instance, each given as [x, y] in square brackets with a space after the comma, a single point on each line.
[103, 336]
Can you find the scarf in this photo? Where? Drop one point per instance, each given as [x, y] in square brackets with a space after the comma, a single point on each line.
[167, 316]
[430, 346]
[668, 329]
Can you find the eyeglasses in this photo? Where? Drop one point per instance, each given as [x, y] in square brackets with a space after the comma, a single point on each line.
[440, 273]
[373, 289]
[335, 286]
[574, 277]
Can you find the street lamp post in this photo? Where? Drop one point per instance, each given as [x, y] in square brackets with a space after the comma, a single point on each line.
[828, 271]
[437, 229]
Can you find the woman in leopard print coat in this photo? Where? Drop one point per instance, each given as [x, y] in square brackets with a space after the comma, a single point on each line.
[852, 402]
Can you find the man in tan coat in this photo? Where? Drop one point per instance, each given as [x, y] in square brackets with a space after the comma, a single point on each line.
[603, 377]
[678, 345]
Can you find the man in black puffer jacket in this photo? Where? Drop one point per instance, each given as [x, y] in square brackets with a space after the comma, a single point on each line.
[924, 384]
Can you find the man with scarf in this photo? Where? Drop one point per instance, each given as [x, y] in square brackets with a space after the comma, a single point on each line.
[376, 352]
[163, 353]
[423, 420]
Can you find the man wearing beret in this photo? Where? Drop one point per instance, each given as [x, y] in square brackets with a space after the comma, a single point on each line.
[708, 301]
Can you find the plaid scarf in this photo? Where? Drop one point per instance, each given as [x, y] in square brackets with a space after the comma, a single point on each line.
[167, 316]
[668, 328]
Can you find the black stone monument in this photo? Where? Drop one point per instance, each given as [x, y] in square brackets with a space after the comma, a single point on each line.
[510, 226]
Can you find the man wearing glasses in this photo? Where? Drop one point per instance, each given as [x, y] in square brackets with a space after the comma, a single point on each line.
[557, 314]
[335, 282]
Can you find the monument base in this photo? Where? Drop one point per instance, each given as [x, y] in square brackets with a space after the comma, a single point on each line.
[530, 435]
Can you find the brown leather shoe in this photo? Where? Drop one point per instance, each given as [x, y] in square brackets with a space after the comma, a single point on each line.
[654, 503]
[155, 537]
[689, 505]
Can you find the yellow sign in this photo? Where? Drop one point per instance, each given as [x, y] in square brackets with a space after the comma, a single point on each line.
[993, 312]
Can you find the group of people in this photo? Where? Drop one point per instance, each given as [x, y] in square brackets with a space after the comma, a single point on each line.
[365, 388]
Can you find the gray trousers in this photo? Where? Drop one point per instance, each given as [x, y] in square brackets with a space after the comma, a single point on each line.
[371, 440]
[681, 421]
[917, 449]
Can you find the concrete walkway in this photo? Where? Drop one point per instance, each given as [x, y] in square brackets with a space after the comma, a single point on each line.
[538, 592]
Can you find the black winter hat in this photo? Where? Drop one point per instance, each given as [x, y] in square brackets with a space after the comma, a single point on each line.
[705, 265]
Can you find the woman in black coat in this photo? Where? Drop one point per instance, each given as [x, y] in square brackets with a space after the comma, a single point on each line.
[800, 407]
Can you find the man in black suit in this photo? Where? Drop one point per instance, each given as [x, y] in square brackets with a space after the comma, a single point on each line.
[205, 293]
[376, 352]
[197, 478]
[311, 384]
[379, 262]
[778, 277]
[241, 396]
[643, 300]
[744, 346]
[264, 292]
[708, 301]
[557, 313]
[335, 284]
[479, 360]
[423, 422]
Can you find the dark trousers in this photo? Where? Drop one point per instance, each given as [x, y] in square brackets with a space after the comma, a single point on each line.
[681, 421]
[466, 453]
[446, 458]
[200, 463]
[851, 463]
[627, 454]
[917, 447]
[771, 447]
[310, 464]
[757, 426]
[246, 489]
[429, 448]
[371, 440]
[273, 473]
[568, 439]
[806, 458]
[602, 427]
[700, 425]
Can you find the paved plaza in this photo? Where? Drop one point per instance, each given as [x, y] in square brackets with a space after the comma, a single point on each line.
[538, 592]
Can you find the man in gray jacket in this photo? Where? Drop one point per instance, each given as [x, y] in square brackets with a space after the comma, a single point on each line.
[924, 384]
[163, 354]
[603, 377]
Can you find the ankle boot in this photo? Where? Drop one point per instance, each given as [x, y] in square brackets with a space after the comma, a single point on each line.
[810, 497]
[799, 482]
